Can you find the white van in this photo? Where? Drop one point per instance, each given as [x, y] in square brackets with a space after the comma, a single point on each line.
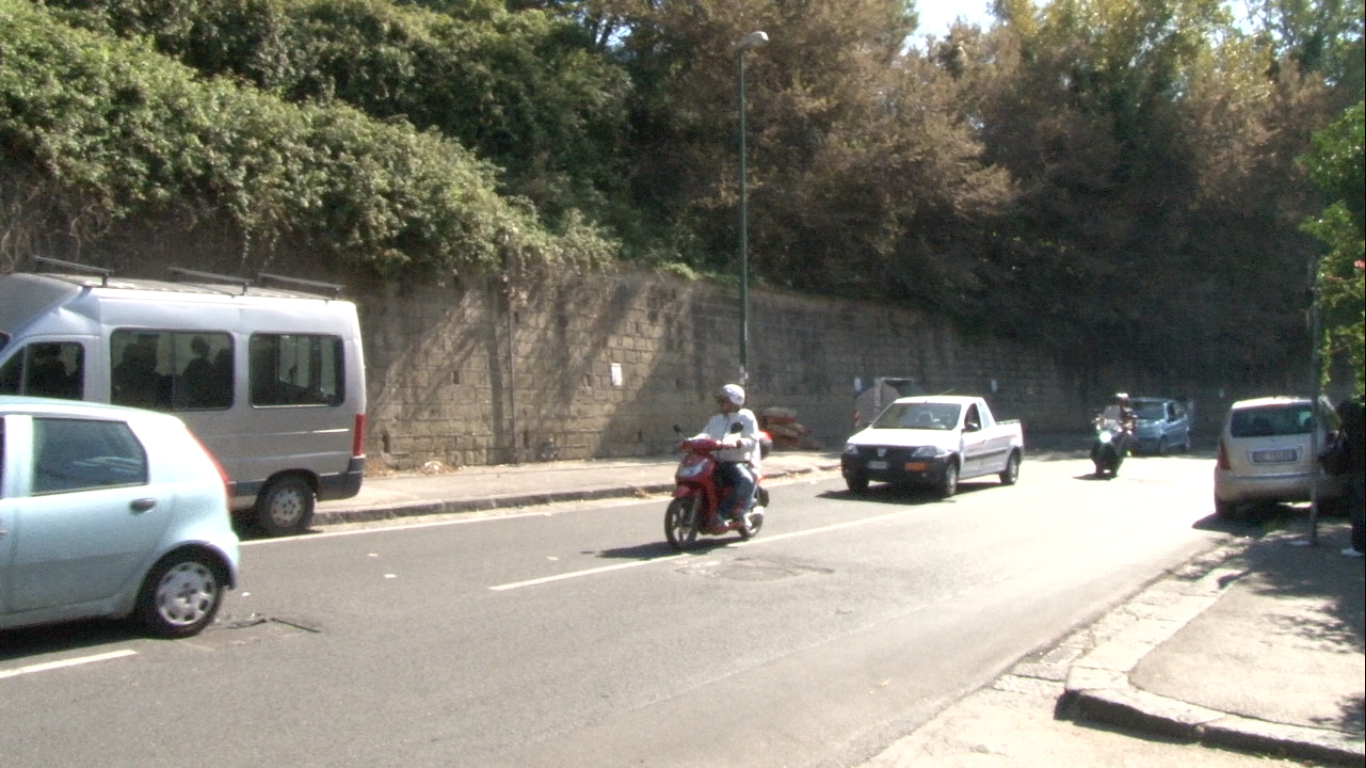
[271, 379]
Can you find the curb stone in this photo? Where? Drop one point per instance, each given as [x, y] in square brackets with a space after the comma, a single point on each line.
[1098, 688]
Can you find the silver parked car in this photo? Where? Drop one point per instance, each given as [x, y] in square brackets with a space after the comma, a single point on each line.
[108, 511]
[1266, 456]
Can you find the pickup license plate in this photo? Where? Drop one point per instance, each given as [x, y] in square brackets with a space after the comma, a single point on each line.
[877, 465]
[1279, 456]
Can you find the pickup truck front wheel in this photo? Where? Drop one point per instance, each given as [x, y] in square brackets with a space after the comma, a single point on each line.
[948, 483]
[857, 480]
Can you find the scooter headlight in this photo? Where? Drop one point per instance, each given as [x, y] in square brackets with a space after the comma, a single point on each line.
[691, 470]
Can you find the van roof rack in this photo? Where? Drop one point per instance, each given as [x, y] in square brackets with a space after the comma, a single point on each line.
[41, 262]
[263, 278]
[178, 274]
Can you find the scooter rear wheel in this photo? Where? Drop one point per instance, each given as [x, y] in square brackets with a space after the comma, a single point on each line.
[754, 520]
[681, 521]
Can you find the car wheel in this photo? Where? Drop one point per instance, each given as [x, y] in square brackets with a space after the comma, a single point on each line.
[857, 481]
[948, 484]
[1225, 510]
[1012, 471]
[1161, 446]
[181, 595]
[285, 507]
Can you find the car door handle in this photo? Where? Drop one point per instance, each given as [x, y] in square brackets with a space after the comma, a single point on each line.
[142, 505]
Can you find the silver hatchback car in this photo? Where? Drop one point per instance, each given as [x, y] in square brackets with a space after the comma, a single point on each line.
[1265, 453]
[110, 512]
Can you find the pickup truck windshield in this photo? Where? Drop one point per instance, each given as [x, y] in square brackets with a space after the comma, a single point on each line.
[942, 416]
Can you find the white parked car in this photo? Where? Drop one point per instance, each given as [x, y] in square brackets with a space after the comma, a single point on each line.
[108, 511]
[1266, 456]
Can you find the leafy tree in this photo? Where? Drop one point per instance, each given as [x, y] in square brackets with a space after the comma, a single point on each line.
[525, 90]
[1321, 36]
[1336, 164]
[124, 132]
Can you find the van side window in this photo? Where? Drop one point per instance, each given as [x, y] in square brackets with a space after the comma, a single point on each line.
[46, 369]
[206, 373]
[296, 369]
[171, 370]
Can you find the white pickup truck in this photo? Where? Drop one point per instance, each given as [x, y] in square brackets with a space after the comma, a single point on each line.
[933, 440]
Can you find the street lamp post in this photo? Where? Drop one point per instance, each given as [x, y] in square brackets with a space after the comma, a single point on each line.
[751, 41]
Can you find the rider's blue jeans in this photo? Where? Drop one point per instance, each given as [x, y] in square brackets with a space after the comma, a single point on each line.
[741, 477]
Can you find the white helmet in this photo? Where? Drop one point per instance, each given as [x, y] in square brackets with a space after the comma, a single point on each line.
[734, 393]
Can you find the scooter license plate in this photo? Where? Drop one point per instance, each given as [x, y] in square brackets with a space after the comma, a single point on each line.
[877, 465]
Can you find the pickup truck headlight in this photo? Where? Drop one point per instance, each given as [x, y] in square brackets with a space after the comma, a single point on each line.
[928, 452]
[850, 449]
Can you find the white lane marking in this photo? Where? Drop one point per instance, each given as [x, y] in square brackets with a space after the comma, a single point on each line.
[51, 665]
[576, 574]
[736, 545]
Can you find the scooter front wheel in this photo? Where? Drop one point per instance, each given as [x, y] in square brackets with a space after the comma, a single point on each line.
[681, 521]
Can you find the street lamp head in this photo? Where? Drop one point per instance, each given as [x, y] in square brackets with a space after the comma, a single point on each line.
[751, 41]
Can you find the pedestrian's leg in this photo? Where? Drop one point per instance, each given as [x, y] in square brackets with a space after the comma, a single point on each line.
[1357, 509]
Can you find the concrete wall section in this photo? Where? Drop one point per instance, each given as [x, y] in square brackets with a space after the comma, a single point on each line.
[604, 366]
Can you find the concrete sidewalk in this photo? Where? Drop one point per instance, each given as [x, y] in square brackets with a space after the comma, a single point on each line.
[1257, 646]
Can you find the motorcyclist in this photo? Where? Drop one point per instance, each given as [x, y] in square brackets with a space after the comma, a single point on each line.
[1126, 417]
[738, 463]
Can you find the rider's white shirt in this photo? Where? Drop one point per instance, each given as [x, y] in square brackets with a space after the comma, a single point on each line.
[719, 426]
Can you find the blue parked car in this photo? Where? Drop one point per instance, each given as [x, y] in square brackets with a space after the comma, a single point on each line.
[1163, 425]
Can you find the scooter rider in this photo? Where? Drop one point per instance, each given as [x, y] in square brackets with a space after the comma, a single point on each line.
[738, 463]
[1127, 418]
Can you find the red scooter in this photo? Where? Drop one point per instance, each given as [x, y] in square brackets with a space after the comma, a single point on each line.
[697, 497]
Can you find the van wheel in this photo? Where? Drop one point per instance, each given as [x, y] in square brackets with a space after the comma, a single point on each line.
[180, 596]
[285, 507]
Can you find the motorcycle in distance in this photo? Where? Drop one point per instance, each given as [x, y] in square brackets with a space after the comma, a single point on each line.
[1109, 447]
[698, 494]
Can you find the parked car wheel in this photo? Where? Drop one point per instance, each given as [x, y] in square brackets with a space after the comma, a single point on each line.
[1225, 510]
[181, 595]
[285, 507]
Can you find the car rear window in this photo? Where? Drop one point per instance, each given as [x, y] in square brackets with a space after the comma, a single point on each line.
[1271, 420]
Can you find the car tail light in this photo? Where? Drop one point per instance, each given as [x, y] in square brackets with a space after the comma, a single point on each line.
[1222, 461]
[358, 436]
[222, 473]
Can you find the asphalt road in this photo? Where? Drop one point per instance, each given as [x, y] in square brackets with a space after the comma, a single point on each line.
[572, 636]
